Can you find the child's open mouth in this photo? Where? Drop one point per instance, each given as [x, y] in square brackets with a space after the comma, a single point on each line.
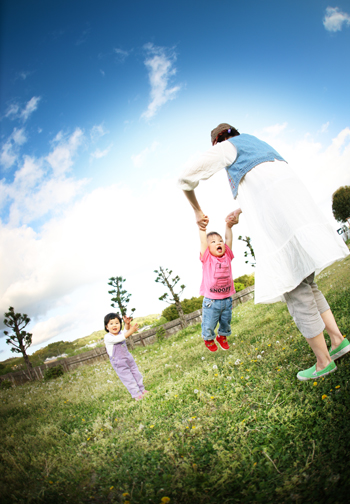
[219, 249]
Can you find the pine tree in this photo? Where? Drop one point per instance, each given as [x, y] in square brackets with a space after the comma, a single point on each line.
[121, 297]
[163, 277]
[20, 340]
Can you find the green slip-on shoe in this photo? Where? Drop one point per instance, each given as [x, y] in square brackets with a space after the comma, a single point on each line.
[341, 350]
[312, 374]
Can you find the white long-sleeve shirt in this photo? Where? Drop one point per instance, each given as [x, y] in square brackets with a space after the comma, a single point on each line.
[216, 158]
[111, 340]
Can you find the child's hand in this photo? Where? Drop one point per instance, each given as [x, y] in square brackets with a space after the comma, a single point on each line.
[127, 320]
[134, 328]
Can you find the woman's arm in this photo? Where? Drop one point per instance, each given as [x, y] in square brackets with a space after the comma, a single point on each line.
[201, 219]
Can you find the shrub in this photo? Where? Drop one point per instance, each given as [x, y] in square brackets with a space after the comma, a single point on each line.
[5, 384]
[53, 372]
[246, 280]
[239, 286]
[160, 334]
[188, 306]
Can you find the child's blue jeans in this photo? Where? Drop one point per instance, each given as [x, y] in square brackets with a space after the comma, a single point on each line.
[214, 311]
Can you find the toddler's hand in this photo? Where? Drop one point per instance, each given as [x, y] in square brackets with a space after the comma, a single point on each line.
[134, 328]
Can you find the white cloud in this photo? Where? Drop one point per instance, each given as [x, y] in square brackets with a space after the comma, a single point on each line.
[30, 107]
[335, 19]
[100, 154]
[61, 158]
[12, 110]
[36, 189]
[97, 132]
[121, 54]
[275, 130]
[325, 127]
[139, 159]
[160, 66]
[9, 151]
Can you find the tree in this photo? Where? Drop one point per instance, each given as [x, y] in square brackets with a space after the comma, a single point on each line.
[163, 277]
[121, 297]
[20, 340]
[341, 204]
[247, 240]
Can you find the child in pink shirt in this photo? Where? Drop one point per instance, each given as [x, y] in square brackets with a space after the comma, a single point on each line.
[217, 287]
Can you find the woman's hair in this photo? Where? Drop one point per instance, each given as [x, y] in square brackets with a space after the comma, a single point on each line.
[223, 132]
[110, 317]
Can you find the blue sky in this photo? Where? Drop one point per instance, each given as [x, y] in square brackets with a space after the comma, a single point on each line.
[101, 105]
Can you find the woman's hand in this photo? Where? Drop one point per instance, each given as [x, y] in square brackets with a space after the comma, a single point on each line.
[233, 217]
[201, 220]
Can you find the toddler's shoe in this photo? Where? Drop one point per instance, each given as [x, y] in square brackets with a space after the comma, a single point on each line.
[139, 397]
[341, 350]
[312, 374]
[145, 392]
[210, 344]
[222, 340]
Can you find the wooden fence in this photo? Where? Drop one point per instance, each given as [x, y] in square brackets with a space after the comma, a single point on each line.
[143, 338]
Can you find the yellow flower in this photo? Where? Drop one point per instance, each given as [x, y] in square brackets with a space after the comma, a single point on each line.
[165, 500]
[51, 482]
[315, 383]
[116, 419]
[176, 395]
[151, 426]
[126, 502]
[83, 420]
[324, 396]
[278, 370]
[254, 463]
[111, 488]
[187, 427]
[212, 397]
[88, 439]
[216, 374]
[193, 417]
[269, 344]
[193, 426]
[338, 386]
[125, 494]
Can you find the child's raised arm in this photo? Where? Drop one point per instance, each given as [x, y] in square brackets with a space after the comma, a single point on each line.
[204, 241]
[228, 235]
[131, 330]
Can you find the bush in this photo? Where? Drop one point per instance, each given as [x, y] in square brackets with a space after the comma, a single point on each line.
[160, 334]
[53, 372]
[5, 384]
[246, 280]
[188, 306]
[239, 286]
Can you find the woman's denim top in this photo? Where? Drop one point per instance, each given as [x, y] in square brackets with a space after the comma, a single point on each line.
[250, 152]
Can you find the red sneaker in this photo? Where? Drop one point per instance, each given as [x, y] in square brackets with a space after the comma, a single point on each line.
[222, 340]
[210, 344]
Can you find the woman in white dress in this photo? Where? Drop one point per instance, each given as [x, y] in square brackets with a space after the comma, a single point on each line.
[292, 240]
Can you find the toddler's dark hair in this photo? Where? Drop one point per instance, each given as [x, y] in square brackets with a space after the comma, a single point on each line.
[213, 233]
[111, 316]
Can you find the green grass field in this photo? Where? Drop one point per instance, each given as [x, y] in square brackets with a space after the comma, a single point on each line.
[229, 427]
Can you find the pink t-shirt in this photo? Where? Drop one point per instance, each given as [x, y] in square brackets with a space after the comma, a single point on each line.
[217, 280]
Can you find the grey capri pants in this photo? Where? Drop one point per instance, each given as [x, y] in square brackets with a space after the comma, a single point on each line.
[305, 304]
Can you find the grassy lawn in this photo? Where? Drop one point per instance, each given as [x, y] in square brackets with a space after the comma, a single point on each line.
[229, 427]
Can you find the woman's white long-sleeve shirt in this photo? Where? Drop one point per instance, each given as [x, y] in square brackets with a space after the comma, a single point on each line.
[207, 164]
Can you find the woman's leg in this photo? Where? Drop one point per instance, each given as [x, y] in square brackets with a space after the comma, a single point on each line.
[304, 304]
[332, 328]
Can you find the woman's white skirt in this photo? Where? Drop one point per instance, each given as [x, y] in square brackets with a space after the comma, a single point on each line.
[290, 235]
